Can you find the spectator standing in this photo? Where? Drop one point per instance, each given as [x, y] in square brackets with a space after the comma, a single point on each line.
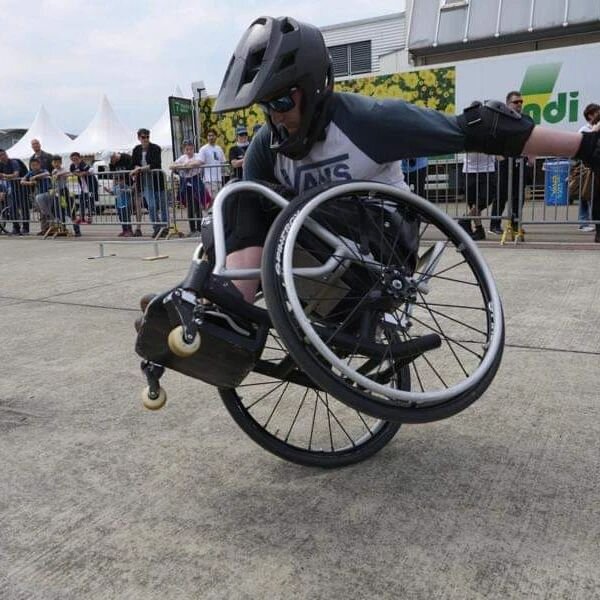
[237, 152]
[11, 172]
[213, 157]
[120, 164]
[147, 174]
[45, 158]
[88, 187]
[39, 180]
[509, 177]
[591, 114]
[480, 183]
[191, 187]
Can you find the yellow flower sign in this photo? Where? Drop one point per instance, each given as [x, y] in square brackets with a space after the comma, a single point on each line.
[429, 88]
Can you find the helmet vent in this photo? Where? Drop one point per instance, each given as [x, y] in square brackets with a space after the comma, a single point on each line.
[253, 65]
[287, 27]
[287, 60]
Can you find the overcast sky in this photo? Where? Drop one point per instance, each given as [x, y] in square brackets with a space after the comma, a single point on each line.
[65, 54]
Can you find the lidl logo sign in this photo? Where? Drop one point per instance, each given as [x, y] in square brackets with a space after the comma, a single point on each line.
[538, 102]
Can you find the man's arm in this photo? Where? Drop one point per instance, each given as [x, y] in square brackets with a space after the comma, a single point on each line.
[389, 130]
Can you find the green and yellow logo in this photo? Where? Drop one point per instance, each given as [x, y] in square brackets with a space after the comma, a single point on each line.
[537, 88]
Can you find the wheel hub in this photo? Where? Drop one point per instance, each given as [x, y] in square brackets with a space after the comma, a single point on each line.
[398, 284]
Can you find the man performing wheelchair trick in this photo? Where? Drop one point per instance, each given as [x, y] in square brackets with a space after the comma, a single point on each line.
[328, 304]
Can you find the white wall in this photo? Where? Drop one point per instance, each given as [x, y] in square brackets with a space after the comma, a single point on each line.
[387, 34]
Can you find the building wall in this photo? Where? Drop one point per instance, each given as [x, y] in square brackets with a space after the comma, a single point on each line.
[478, 27]
[387, 35]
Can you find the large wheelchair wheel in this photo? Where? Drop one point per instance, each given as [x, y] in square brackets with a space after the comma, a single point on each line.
[298, 421]
[362, 279]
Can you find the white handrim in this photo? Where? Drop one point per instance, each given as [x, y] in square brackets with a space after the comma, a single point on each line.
[417, 397]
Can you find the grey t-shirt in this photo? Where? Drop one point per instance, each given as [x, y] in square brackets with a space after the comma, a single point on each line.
[365, 139]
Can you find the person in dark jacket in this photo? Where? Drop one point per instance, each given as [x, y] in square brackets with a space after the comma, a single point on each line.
[148, 176]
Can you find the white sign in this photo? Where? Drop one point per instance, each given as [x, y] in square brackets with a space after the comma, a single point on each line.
[556, 84]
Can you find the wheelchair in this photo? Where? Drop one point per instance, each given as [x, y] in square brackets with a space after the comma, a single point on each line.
[375, 309]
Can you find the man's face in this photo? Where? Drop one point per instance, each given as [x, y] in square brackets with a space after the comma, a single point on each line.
[290, 119]
[516, 103]
[188, 149]
[35, 165]
[242, 138]
[3, 156]
[211, 137]
[36, 146]
[144, 139]
[76, 160]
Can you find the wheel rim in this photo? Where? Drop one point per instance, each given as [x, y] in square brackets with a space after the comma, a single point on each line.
[447, 319]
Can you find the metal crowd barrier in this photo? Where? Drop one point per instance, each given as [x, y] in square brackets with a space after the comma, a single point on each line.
[512, 193]
[70, 203]
[502, 194]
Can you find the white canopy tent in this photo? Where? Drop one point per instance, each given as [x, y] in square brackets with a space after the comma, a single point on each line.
[104, 132]
[51, 138]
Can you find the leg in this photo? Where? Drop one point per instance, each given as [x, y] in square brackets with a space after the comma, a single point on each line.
[148, 193]
[248, 258]
[43, 202]
[500, 204]
[22, 198]
[164, 213]
[14, 212]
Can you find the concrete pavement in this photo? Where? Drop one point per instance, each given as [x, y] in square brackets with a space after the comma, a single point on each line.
[101, 499]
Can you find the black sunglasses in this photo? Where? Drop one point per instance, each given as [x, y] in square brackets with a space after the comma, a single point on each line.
[144, 137]
[282, 104]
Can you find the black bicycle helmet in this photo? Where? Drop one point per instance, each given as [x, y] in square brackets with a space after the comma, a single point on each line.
[274, 55]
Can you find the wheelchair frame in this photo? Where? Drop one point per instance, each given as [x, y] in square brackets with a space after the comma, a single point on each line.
[370, 377]
[341, 251]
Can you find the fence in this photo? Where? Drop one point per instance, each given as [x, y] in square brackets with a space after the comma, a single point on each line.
[63, 203]
[506, 194]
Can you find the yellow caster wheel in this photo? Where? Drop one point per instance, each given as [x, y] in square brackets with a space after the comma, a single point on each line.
[179, 346]
[154, 403]
[145, 300]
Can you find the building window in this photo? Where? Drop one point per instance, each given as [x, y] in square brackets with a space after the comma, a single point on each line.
[351, 59]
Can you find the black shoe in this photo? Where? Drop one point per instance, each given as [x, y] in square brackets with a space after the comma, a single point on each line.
[466, 225]
[597, 237]
[137, 233]
[478, 234]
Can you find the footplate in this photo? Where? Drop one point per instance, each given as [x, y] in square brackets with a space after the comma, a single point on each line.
[227, 352]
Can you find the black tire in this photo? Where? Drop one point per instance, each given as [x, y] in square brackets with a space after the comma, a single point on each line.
[315, 361]
[349, 437]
